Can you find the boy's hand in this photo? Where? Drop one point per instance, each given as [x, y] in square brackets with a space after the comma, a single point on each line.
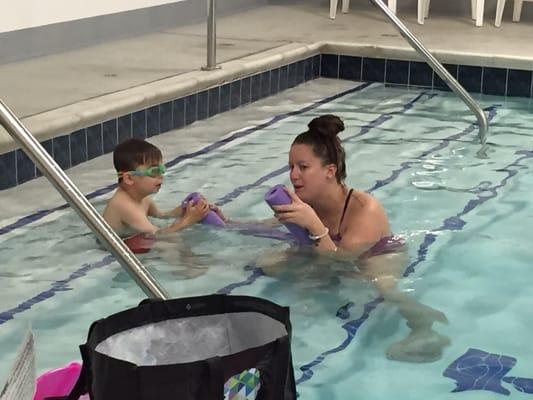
[215, 208]
[195, 213]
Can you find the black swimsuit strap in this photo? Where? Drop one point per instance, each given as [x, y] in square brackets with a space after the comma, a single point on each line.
[346, 202]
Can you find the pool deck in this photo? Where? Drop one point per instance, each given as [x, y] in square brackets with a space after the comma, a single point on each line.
[60, 93]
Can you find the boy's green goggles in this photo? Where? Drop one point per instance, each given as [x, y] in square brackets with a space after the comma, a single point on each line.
[154, 171]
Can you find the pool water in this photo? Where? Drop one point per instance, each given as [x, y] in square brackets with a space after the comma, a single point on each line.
[465, 220]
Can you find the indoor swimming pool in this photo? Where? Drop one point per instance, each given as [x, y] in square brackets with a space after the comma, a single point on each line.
[464, 218]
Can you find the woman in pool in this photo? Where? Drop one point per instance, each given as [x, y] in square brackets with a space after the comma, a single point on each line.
[349, 224]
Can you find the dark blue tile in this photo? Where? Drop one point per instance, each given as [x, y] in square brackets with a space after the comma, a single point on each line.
[203, 105]
[265, 84]
[49, 147]
[8, 170]
[165, 117]
[397, 72]
[235, 92]
[519, 83]
[246, 90]
[152, 121]
[300, 72]
[62, 151]
[110, 136]
[316, 66]
[78, 147]
[274, 81]
[191, 108]
[494, 81]
[438, 83]
[420, 74]
[470, 77]
[124, 128]
[256, 87]
[283, 78]
[178, 113]
[214, 101]
[329, 66]
[292, 75]
[350, 68]
[138, 125]
[94, 141]
[225, 97]
[308, 69]
[373, 69]
[25, 167]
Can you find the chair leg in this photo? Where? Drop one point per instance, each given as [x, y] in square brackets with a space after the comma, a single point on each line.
[332, 8]
[517, 10]
[426, 9]
[392, 5]
[345, 6]
[421, 11]
[500, 5]
[480, 5]
[473, 8]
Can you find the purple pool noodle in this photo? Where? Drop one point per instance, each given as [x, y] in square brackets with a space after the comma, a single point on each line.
[277, 196]
[212, 218]
[260, 230]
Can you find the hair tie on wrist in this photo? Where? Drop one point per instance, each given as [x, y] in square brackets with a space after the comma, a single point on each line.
[315, 238]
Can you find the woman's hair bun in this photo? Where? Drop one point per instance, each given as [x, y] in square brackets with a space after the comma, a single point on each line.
[326, 125]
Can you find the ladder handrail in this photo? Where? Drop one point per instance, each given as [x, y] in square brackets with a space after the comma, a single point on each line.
[211, 36]
[79, 203]
[442, 72]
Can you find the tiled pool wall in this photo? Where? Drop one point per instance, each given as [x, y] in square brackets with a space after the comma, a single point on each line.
[475, 79]
[85, 144]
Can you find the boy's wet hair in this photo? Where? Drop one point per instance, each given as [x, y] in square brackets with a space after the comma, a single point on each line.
[323, 139]
[131, 153]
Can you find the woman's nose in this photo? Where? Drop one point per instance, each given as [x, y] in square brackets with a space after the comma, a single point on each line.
[294, 174]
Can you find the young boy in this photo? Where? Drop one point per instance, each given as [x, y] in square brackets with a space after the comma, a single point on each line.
[140, 174]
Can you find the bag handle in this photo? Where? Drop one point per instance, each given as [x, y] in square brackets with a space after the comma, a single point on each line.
[283, 385]
[81, 386]
[216, 378]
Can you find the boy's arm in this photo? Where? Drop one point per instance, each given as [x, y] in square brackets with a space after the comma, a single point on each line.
[136, 219]
[154, 211]
[191, 215]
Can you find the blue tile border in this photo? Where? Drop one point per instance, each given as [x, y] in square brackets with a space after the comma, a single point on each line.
[90, 142]
[476, 79]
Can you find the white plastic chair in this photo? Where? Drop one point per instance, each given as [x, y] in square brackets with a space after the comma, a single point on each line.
[517, 11]
[423, 9]
[346, 6]
[478, 9]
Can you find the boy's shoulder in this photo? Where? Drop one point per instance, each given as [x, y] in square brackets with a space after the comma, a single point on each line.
[121, 200]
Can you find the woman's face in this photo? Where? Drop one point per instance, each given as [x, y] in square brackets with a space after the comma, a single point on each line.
[307, 173]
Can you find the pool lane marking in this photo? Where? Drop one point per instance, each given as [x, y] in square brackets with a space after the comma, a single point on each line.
[30, 218]
[59, 286]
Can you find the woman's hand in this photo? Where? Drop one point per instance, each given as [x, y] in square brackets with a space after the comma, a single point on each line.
[196, 212]
[299, 213]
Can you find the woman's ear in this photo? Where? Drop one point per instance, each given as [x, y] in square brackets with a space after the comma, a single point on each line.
[331, 171]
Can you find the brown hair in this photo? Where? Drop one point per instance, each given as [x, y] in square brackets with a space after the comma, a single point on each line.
[323, 139]
[131, 153]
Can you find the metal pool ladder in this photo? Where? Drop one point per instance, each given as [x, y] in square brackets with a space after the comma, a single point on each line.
[443, 73]
[79, 203]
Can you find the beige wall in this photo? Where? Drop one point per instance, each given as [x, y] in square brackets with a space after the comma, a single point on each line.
[22, 14]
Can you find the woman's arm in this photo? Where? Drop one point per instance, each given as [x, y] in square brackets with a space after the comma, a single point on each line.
[361, 232]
